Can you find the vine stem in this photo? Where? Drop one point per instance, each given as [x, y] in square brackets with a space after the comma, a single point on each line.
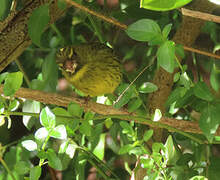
[7, 168]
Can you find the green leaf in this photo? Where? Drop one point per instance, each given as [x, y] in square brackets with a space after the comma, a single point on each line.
[50, 73]
[198, 178]
[3, 76]
[125, 149]
[202, 91]
[148, 134]
[71, 124]
[215, 78]
[13, 105]
[166, 30]
[157, 115]
[180, 51]
[127, 129]
[148, 87]
[22, 167]
[161, 5]
[29, 145]
[5, 6]
[61, 4]
[176, 77]
[126, 96]
[147, 163]
[35, 173]
[186, 99]
[108, 123]
[144, 30]
[31, 107]
[134, 104]
[75, 110]
[166, 56]
[59, 132]
[214, 168]
[156, 147]
[13, 82]
[47, 118]
[175, 95]
[38, 22]
[209, 120]
[41, 134]
[85, 128]
[184, 159]
[53, 160]
[100, 148]
[171, 152]
[185, 80]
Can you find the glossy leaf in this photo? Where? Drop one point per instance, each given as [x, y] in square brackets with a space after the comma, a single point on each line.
[147, 87]
[215, 78]
[100, 148]
[41, 134]
[35, 173]
[38, 22]
[85, 128]
[202, 91]
[126, 96]
[161, 5]
[53, 160]
[166, 30]
[209, 120]
[59, 132]
[148, 134]
[47, 118]
[134, 104]
[144, 30]
[29, 145]
[166, 56]
[13, 82]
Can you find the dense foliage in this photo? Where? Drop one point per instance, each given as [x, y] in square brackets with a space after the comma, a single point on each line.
[39, 140]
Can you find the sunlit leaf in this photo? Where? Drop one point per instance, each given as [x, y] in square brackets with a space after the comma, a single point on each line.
[29, 145]
[161, 5]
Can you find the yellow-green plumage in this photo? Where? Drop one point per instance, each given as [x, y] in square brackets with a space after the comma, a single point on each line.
[96, 69]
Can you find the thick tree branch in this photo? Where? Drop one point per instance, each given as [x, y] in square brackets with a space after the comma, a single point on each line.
[14, 37]
[61, 100]
[200, 15]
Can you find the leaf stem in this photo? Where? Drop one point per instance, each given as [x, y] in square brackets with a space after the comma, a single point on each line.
[7, 168]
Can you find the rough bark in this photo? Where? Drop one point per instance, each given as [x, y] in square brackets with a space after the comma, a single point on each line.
[185, 35]
[14, 37]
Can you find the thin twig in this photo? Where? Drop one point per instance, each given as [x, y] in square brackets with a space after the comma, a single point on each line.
[101, 16]
[21, 68]
[200, 15]
[145, 68]
[201, 52]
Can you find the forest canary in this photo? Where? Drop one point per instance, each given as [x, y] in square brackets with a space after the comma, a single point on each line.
[91, 68]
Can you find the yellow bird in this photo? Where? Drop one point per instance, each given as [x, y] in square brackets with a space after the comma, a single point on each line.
[91, 68]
